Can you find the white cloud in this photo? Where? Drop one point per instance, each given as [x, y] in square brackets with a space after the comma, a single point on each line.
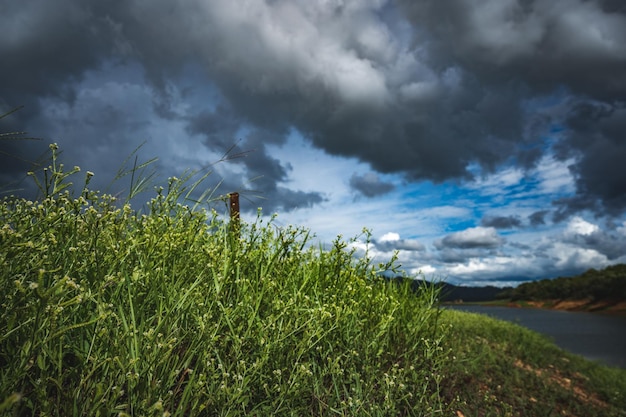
[569, 257]
[389, 237]
[498, 182]
[427, 270]
[554, 176]
[474, 237]
[494, 265]
[578, 226]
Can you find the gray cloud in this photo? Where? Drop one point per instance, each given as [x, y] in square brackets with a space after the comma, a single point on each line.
[263, 173]
[501, 222]
[400, 244]
[422, 88]
[268, 173]
[596, 135]
[538, 218]
[217, 127]
[520, 246]
[461, 256]
[611, 245]
[370, 184]
[539, 41]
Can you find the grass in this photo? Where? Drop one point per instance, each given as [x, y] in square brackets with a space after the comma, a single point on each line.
[107, 311]
[496, 368]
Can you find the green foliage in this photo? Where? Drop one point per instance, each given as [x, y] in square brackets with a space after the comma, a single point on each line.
[608, 283]
[106, 311]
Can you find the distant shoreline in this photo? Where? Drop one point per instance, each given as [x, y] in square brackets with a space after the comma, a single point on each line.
[607, 307]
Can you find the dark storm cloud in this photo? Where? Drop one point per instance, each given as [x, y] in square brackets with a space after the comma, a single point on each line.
[50, 50]
[425, 99]
[339, 75]
[546, 45]
[501, 222]
[370, 184]
[217, 127]
[45, 47]
[596, 135]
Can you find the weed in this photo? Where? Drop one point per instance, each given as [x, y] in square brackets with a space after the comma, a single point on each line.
[109, 311]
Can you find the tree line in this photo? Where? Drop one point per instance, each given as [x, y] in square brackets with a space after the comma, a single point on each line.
[607, 283]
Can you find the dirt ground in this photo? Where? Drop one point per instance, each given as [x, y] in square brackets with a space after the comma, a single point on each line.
[603, 306]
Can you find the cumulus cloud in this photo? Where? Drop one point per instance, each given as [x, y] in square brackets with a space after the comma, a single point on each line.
[462, 247]
[577, 226]
[472, 238]
[580, 246]
[589, 236]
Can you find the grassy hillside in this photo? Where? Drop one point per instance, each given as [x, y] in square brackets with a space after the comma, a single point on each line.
[108, 311]
[496, 368]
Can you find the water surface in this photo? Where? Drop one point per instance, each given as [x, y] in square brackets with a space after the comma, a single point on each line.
[596, 337]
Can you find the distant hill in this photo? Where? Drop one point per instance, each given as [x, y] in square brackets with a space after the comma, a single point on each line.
[452, 293]
[606, 284]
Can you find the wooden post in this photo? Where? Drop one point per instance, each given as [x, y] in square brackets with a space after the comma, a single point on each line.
[234, 213]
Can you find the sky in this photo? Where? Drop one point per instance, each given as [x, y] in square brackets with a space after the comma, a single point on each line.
[485, 142]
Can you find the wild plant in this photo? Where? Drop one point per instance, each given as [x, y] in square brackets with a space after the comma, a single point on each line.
[108, 311]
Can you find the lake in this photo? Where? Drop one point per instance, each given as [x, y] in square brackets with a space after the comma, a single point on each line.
[596, 337]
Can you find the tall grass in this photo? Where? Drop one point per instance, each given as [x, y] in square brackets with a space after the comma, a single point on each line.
[107, 311]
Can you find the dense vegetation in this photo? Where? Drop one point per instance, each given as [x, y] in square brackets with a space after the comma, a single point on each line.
[109, 311]
[104, 310]
[608, 283]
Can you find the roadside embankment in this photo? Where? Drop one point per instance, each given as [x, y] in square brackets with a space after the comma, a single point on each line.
[613, 307]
